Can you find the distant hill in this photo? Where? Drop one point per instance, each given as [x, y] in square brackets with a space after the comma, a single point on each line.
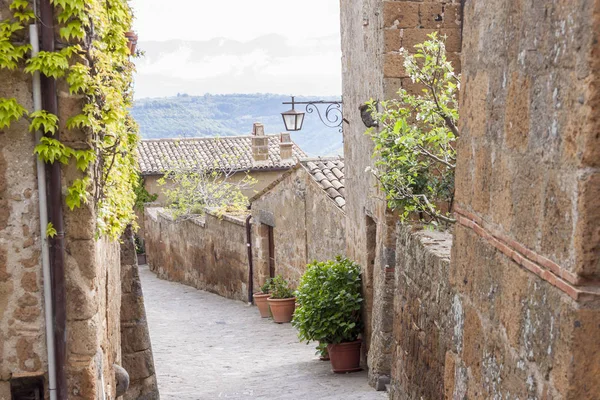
[230, 115]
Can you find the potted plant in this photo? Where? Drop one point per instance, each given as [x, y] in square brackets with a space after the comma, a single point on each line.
[140, 250]
[282, 301]
[330, 301]
[260, 299]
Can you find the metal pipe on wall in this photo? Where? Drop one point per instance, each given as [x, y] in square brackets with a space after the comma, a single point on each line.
[250, 263]
[55, 210]
[43, 204]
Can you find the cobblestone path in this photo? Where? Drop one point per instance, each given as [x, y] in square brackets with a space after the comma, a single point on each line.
[209, 347]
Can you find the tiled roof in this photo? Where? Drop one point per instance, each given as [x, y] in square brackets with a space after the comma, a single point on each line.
[228, 152]
[329, 174]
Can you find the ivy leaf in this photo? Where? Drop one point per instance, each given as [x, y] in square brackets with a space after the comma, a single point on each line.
[43, 121]
[73, 30]
[51, 150]
[19, 5]
[10, 110]
[50, 230]
[84, 158]
[51, 64]
[77, 193]
[24, 16]
[78, 121]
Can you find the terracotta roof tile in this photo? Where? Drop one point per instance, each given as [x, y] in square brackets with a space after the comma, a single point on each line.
[228, 152]
[328, 172]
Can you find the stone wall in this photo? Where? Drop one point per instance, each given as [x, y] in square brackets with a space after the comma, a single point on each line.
[373, 31]
[525, 257]
[136, 348]
[423, 320]
[307, 226]
[22, 337]
[208, 254]
[92, 267]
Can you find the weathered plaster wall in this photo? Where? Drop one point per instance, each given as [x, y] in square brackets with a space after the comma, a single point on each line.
[362, 79]
[525, 256]
[264, 179]
[136, 348]
[373, 31]
[209, 254]
[22, 338]
[325, 224]
[423, 320]
[307, 226]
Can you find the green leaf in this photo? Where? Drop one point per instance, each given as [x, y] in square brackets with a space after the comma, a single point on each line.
[10, 111]
[43, 121]
[77, 193]
[50, 230]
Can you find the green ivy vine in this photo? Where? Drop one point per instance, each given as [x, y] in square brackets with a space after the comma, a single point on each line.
[94, 60]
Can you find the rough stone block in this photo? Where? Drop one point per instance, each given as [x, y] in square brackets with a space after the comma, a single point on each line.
[587, 237]
[83, 337]
[393, 66]
[414, 36]
[139, 365]
[400, 14]
[452, 16]
[392, 40]
[391, 87]
[135, 337]
[432, 15]
[516, 119]
[5, 390]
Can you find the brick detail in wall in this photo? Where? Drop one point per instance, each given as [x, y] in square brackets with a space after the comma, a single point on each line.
[546, 269]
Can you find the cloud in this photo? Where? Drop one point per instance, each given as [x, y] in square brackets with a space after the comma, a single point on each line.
[269, 63]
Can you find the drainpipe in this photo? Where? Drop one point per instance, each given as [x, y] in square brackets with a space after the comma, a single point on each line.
[57, 244]
[43, 204]
[250, 264]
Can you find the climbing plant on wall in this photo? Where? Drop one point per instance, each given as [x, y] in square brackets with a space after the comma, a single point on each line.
[94, 60]
[415, 152]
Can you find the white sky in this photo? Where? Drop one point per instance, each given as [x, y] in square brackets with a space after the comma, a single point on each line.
[238, 46]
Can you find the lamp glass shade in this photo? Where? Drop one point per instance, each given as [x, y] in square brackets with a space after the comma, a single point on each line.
[293, 120]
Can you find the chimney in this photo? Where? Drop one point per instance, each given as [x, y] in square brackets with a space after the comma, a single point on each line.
[260, 143]
[285, 146]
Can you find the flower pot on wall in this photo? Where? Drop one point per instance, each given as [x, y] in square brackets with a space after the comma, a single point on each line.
[282, 309]
[260, 299]
[345, 356]
[132, 38]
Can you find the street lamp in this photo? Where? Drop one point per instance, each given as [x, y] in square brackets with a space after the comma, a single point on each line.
[292, 119]
[331, 116]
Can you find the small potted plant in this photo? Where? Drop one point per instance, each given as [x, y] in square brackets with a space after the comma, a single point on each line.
[260, 299]
[140, 250]
[282, 301]
[330, 297]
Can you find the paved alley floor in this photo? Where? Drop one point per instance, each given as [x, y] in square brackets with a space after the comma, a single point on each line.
[209, 347]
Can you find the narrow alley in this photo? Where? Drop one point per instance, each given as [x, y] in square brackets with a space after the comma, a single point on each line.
[209, 347]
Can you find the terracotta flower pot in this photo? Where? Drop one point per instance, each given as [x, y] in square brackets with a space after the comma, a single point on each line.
[282, 309]
[260, 299]
[345, 357]
[132, 39]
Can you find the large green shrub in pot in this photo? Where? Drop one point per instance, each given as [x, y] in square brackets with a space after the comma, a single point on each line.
[330, 299]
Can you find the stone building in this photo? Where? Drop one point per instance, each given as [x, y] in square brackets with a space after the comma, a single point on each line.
[263, 157]
[513, 309]
[299, 218]
[88, 345]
